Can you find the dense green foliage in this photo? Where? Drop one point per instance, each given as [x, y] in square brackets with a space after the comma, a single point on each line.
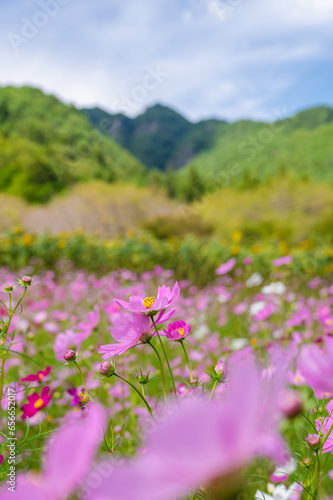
[250, 153]
[46, 146]
[190, 257]
[242, 154]
[160, 137]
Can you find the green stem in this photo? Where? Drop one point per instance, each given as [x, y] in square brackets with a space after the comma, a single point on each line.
[316, 477]
[4, 353]
[161, 368]
[166, 358]
[213, 390]
[19, 302]
[82, 378]
[138, 392]
[186, 358]
[4, 338]
[2, 377]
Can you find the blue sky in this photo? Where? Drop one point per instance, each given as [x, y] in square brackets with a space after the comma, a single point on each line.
[230, 59]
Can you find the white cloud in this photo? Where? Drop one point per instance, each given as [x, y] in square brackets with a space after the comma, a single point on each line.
[92, 53]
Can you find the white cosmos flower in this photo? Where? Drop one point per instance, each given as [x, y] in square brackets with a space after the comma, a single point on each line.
[238, 344]
[282, 472]
[280, 492]
[255, 280]
[277, 288]
[257, 307]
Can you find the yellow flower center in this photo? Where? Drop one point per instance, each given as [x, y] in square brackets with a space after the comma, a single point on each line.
[83, 397]
[329, 322]
[148, 302]
[40, 376]
[39, 403]
[181, 331]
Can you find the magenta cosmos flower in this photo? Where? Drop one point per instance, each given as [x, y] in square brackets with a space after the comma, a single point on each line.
[128, 334]
[202, 443]
[151, 305]
[36, 402]
[67, 463]
[226, 267]
[38, 377]
[177, 330]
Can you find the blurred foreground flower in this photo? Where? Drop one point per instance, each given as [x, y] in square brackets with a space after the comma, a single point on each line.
[201, 443]
[68, 460]
[316, 366]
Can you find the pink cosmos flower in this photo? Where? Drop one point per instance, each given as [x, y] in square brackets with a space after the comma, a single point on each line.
[316, 365]
[325, 426]
[65, 341]
[92, 321]
[265, 312]
[201, 443]
[68, 460]
[69, 339]
[36, 402]
[131, 333]
[151, 305]
[38, 377]
[226, 267]
[282, 261]
[177, 330]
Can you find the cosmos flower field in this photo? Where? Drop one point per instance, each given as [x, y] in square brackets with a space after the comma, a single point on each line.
[142, 387]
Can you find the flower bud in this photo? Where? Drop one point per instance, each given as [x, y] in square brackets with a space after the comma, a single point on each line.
[313, 441]
[26, 280]
[306, 462]
[70, 355]
[8, 288]
[106, 369]
[143, 379]
[290, 404]
[221, 368]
